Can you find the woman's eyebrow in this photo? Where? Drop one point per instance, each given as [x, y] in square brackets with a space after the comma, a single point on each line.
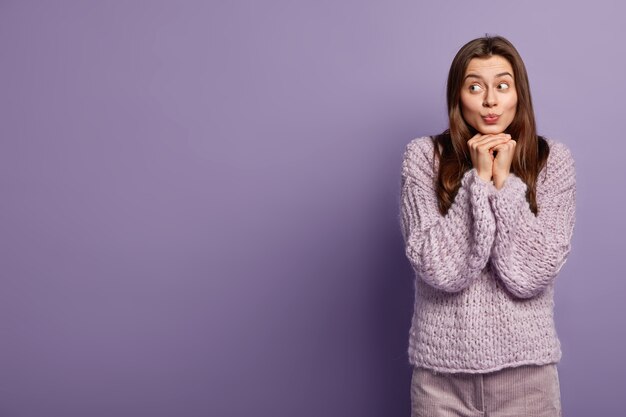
[497, 75]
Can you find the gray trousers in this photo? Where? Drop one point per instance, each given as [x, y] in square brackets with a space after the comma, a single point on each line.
[524, 391]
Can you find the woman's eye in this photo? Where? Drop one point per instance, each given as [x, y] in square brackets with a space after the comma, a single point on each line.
[503, 86]
[474, 87]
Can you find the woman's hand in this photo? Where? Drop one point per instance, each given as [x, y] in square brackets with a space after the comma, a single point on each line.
[502, 162]
[482, 148]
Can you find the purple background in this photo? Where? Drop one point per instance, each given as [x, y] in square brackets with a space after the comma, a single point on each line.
[199, 212]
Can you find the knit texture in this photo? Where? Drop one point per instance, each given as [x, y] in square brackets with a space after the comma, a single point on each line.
[485, 272]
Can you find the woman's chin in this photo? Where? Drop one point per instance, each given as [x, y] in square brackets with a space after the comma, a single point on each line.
[491, 130]
[486, 129]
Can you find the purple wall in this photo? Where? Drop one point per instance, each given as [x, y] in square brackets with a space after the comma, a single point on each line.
[199, 199]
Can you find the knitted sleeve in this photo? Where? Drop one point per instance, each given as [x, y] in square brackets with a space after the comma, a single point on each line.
[447, 252]
[529, 251]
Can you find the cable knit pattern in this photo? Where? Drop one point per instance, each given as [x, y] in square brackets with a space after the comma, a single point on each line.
[485, 271]
[529, 251]
[462, 251]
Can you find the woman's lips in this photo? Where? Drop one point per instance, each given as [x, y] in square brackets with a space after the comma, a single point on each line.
[491, 118]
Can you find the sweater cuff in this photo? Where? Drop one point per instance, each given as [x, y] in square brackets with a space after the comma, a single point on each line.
[506, 201]
[513, 185]
[484, 221]
[473, 181]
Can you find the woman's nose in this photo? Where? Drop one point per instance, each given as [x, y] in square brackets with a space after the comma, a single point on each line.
[490, 98]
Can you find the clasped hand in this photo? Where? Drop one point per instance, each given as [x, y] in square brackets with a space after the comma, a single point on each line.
[490, 167]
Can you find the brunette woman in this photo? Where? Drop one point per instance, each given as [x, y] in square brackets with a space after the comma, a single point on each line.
[487, 215]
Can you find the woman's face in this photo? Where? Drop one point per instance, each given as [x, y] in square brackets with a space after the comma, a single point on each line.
[489, 90]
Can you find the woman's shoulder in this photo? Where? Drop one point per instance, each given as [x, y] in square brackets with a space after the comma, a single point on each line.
[418, 157]
[560, 165]
[420, 144]
[560, 152]
[420, 148]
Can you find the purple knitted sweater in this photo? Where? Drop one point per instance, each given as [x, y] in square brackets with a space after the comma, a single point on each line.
[484, 283]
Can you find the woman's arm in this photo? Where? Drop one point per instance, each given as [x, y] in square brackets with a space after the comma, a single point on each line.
[449, 251]
[529, 251]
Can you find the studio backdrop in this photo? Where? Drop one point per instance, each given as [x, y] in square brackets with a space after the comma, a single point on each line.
[199, 199]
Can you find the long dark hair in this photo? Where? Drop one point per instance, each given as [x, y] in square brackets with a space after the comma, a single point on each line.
[531, 150]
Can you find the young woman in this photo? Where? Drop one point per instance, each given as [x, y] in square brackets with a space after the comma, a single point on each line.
[487, 216]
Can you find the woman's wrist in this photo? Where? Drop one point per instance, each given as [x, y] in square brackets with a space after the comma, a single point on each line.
[483, 176]
[499, 179]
